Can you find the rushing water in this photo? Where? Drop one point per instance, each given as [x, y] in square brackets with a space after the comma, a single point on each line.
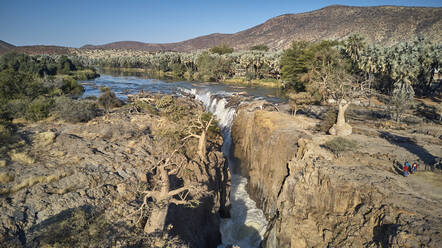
[124, 85]
[247, 224]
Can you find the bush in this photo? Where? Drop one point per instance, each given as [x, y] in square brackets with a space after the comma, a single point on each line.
[145, 107]
[260, 48]
[213, 67]
[329, 120]
[340, 145]
[108, 100]
[178, 70]
[39, 108]
[165, 101]
[85, 74]
[6, 134]
[17, 108]
[76, 110]
[222, 49]
[72, 87]
[172, 108]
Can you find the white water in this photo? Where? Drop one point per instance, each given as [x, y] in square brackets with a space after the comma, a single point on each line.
[247, 224]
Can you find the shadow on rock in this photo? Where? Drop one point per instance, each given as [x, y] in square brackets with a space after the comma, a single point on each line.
[410, 145]
[382, 233]
[198, 227]
[78, 227]
[398, 168]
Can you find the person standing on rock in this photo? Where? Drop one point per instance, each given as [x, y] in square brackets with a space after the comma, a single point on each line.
[414, 168]
[406, 167]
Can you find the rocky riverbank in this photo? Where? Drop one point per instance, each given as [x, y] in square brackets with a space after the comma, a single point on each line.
[313, 197]
[83, 184]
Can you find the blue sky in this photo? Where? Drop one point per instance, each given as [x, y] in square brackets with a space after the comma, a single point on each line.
[78, 22]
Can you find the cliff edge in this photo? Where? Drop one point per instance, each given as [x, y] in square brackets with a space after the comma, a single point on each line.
[313, 198]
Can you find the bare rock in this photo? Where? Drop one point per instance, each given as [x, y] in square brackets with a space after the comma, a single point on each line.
[341, 130]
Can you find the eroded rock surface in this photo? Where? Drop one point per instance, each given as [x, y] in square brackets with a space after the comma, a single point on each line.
[84, 186]
[313, 199]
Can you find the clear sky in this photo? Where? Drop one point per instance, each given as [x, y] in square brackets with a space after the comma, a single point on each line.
[78, 22]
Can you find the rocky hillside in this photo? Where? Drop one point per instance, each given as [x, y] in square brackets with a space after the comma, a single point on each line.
[354, 198]
[82, 184]
[4, 47]
[385, 24]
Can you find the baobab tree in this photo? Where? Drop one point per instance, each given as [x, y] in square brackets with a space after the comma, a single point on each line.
[159, 198]
[329, 77]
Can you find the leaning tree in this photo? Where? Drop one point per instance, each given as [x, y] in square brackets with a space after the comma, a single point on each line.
[157, 200]
[199, 129]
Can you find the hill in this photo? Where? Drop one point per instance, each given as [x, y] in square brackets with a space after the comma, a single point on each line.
[33, 50]
[41, 49]
[4, 46]
[386, 25]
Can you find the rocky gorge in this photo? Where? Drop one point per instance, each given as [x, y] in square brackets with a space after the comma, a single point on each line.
[313, 198]
[98, 184]
[82, 184]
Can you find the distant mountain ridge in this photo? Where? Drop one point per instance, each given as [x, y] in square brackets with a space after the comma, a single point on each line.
[33, 50]
[386, 25]
[5, 46]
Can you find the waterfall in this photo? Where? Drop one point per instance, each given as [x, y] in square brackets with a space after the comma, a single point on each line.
[247, 224]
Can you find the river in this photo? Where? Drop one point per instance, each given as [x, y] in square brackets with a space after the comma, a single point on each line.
[247, 224]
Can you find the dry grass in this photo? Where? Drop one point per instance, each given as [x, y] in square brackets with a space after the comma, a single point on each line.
[31, 181]
[274, 120]
[21, 157]
[6, 177]
[340, 145]
[259, 82]
[45, 138]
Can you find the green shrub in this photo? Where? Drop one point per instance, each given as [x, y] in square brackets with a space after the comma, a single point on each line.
[85, 74]
[17, 108]
[340, 145]
[108, 100]
[71, 87]
[165, 101]
[222, 49]
[145, 107]
[328, 120]
[39, 108]
[260, 48]
[6, 134]
[76, 110]
[172, 108]
[178, 70]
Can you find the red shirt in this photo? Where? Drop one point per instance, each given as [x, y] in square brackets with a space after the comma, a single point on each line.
[405, 168]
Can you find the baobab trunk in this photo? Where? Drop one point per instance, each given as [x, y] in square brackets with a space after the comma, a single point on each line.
[341, 114]
[202, 145]
[157, 219]
[341, 128]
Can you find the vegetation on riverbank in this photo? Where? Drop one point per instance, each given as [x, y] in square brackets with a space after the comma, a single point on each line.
[34, 87]
[219, 64]
[30, 85]
[345, 71]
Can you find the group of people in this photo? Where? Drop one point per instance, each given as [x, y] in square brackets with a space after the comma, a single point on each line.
[409, 169]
